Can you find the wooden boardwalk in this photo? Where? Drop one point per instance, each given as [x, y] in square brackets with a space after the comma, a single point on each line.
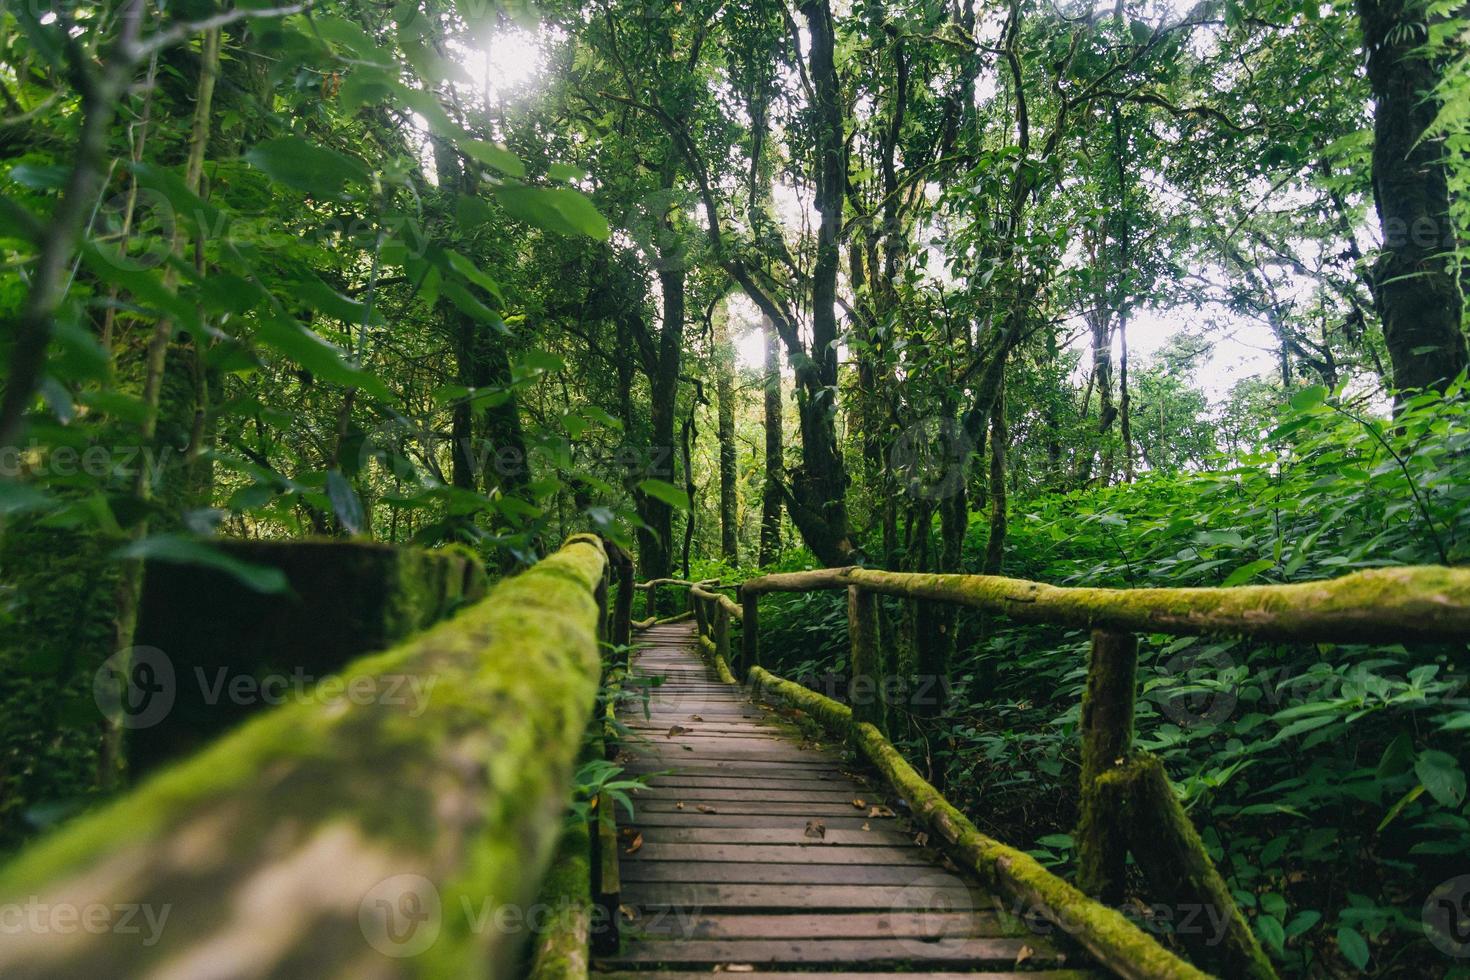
[755, 851]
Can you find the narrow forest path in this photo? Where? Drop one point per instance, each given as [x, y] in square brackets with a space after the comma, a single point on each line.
[756, 851]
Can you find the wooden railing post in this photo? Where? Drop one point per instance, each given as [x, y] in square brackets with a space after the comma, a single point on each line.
[1107, 737]
[865, 682]
[623, 610]
[701, 614]
[722, 630]
[650, 601]
[750, 641]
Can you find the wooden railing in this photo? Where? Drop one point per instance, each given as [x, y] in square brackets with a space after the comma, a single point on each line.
[382, 825]
[1126, 802]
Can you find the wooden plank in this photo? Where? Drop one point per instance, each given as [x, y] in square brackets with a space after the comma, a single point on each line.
[811, 852]
[749, 807]
[919, 875]
[758, 821]
[797, 898]
[795, 833]
[856, 925]
[710, 794]
[998, 952]
[830, 975]
[820, 781]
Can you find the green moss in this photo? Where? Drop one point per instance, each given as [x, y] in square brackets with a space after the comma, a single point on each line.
[347, 598]
[562, 947]
[836, 716]
[57, 628]
[1375, 605]
[722, 668]
[469, 793]
[1105, 932]
[1167, 847]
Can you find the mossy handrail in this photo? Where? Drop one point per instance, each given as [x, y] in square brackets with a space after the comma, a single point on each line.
[364, 835]
[1126, 804]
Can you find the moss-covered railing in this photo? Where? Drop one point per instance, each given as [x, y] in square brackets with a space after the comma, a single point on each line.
[398, 822]
[1126, 805]
[650, 590]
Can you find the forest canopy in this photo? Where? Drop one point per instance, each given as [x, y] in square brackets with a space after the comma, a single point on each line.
[1141, 293]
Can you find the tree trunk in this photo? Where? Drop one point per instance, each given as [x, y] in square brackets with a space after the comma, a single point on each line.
[725, 392]
[655, 541]
[817, 499]
[771, 491]
[1417, 292]
[996, 543]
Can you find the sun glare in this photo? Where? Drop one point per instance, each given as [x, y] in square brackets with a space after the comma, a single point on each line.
[509, 61]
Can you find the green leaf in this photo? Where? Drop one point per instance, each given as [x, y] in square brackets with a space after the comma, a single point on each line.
[1268, 927]
[558, 209]
[292, 161]
[311, 351]
[176, 549]
[1441, 776]
[1301, 922]
[1310, 397]
[667, 492]
[1247, 572]
[344, 502]
[1398, 807]
[16, 498]
[1353, 946]
[496, 157]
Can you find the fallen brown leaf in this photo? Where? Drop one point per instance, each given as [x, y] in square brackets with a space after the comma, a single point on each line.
[921, 838]
[628, 912]
[634, 844]
[1025, 954]
[676, 729]
[705, 809]
[866, 826]
[859, 802]
[815, 828]
[879, 811]
[679, 806]
[695, 718]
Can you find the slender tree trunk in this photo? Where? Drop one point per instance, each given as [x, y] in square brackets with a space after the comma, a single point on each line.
[995, 545]
[1418, 293]
[179, 403]
[771, 491]
[725, 392]
[817, 501]
[656, 540]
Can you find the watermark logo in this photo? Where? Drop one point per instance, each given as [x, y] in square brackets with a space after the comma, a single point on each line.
[1200, 688]
[930, 457]
[135, 688]
[1446, 916]
[401, 916]
[35, 918]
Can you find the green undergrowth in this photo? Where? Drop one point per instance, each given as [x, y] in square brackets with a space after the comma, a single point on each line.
[1327, 780]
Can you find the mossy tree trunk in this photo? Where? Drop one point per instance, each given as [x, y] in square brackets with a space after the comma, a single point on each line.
[1417, 290]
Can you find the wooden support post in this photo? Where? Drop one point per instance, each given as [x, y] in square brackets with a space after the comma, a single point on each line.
[865, 684]
[607, 883]
[1180, 872]
[701, 614]
[750, 641]
[1107, 737]
[722, 630]
[622, 629]
[650, 601]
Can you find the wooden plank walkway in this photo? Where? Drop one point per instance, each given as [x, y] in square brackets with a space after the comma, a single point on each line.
[755, 851]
